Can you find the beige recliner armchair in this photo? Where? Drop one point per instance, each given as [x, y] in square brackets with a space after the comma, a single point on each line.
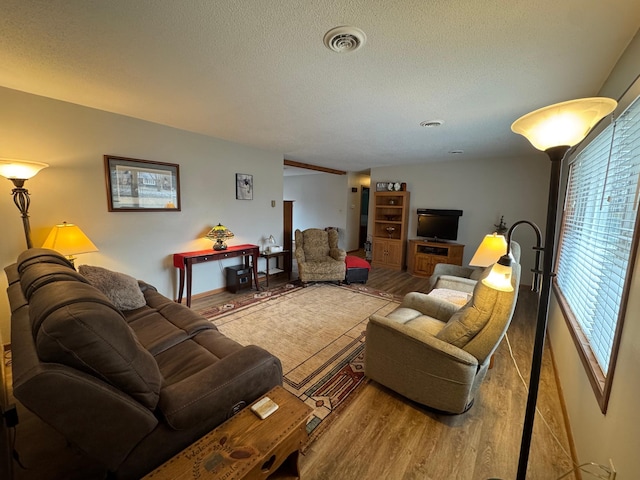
[463, 279]
[318, 256]
[435, 354]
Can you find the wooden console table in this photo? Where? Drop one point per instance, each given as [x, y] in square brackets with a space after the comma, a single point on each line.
[245, 447]
[184, 261]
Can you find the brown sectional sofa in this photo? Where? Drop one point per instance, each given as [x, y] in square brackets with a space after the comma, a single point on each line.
[130, 388]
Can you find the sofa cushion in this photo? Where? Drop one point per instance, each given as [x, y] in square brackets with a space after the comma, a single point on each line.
[161, 324]
[326, 266]
[470, 319]
[414, 319]
[121, 289]
[76, 325]
[201, 375]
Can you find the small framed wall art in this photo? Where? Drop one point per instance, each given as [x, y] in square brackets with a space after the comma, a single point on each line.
[141, 185]
[244, 186]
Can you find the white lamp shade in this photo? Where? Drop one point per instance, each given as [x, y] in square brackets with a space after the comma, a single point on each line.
[20, 169]
[563, 124]
[68, 239]
[499, 278]
[490, 250]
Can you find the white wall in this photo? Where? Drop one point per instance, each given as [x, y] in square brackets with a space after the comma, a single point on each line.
[326, 200]
[599, 437]
[73, 139]
[320, 200]
[484, 190]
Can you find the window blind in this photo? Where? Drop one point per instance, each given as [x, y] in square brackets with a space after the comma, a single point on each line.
[597, 230]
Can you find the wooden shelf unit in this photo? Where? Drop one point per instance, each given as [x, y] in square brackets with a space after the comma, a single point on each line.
[423, 256]
[390, 222]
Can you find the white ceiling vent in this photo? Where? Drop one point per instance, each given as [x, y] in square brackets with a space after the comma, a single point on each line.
[344, 39]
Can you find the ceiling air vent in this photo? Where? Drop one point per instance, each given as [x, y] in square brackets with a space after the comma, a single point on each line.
[431, 123]
[344, 39]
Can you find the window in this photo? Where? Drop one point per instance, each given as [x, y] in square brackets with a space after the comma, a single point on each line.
[597, 244]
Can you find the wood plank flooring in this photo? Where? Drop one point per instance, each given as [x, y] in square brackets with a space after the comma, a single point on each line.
[381, 435]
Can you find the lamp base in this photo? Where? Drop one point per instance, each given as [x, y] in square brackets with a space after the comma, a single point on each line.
[219, 245]
[72, 260]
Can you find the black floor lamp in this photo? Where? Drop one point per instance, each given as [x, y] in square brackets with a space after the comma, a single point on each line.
[19, 171]
[554, 130]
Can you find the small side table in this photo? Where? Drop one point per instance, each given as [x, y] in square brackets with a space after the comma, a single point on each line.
[277, 255]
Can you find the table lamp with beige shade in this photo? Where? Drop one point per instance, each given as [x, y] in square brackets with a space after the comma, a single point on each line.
[69, 240]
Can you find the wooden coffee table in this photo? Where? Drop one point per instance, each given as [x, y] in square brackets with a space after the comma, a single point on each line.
[245, 447]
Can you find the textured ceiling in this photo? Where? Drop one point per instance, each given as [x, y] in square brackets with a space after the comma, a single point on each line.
[257, 72]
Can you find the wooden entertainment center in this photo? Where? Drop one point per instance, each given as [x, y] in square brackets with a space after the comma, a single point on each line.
[422, 256]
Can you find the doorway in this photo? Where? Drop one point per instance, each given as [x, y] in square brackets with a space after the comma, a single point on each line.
[364, 216]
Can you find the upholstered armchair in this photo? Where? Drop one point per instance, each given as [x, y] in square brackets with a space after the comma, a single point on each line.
[318, 256]
[463, 279]
[436, 353]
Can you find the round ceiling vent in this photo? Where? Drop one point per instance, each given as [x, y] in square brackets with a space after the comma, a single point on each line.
[344, 39]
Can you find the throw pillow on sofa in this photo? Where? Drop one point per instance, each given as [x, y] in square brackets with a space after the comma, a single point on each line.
[121, 289]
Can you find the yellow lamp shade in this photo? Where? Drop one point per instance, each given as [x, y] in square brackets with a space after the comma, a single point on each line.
[490, 250]
[563, 124]
[20, 169]
[69, 240]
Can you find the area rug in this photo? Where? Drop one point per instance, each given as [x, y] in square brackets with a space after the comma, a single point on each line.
[317, 332]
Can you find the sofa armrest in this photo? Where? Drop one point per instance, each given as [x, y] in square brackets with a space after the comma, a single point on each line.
[455, 283]
[431, 306]
[337, 254]
[455, 270]
[419, 366]
[423, 341]
[215, 390]
[144, 286]
[300, 256]
[80, 400]
[85, 404]
[442, 269]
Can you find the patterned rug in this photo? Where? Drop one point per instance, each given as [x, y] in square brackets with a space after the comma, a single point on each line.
[317, 332]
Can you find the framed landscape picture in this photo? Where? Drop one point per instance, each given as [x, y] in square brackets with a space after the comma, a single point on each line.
[244, 186]
[141, 185]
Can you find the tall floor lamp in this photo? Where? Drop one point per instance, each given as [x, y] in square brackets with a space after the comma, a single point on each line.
[19, 171]
[554, 130]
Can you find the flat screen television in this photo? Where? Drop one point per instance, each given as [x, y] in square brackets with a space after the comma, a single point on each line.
[438, 225]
